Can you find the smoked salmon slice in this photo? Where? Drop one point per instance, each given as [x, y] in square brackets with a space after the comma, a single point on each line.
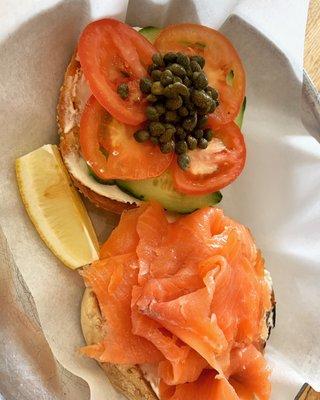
[249, 373]
[189, 296]
[206, 387]
[112, 280]
[124, 239]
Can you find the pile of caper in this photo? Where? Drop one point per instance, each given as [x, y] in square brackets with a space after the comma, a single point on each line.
[179, 101]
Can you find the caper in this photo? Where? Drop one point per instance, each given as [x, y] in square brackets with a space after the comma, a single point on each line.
[188, 104]
[195, 67]
[190, 107]
[189, 123]
[166, 137]
[170, 128]
[182, 136]
[157, 88]
[199, 59]
[123, 90]
[170, 57]
[152, 98]
[212, 92]
[192, 142]
[177, 79]
[145, 85]
[151, 67]
[177, 69]
[200, 80]
[187, 81]
[167, 147]
[189, 72]
[181, 89]
[170, 92]
[154, 140]
[198, 133]
[195, 75]
[202, 143]
[157, 59]
[141, 136]
[156, 128]
[175, 89]
[156, 74]
[183, 161]
[183, 60]
[213, 106]
[181, 147]
[171, 116]
[201, 99]
[174, 104]
[152, 113]
[208, 134]
[207, 108]
[202, 121]
[166, 77]
[181, 133]
[183, 111]
[160, 108]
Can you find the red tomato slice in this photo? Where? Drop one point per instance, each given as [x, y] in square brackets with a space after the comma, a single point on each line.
[221, 58]
[126, 158]
[111, 53]
[215, 167]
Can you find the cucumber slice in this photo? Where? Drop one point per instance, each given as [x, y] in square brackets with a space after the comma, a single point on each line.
[161, 189]
[239, 118]
[150, 32]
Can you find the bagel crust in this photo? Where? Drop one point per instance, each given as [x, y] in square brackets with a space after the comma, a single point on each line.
[127, 379]
[69, 137]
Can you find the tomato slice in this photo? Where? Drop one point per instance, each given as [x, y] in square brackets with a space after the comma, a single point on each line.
[221, 58]
[215, 167]
[125, 158]
[112, 53]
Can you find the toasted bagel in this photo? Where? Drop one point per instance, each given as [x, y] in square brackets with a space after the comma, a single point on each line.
[69, 109]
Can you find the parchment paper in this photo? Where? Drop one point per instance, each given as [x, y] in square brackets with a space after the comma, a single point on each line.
[277, 196]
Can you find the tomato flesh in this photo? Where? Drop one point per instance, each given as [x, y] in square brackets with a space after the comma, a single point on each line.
[112, 53]
[215, 167]
[220, 57]
[125, 158]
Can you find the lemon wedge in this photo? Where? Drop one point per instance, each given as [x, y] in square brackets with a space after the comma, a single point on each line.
[55, 207]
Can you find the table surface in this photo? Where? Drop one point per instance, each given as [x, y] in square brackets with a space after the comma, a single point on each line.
[312, 66]
[312, 43]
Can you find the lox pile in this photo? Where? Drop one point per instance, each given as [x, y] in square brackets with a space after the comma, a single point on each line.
[189, 297]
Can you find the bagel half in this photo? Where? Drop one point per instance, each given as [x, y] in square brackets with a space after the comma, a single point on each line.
[73, 96]
[129, 379]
